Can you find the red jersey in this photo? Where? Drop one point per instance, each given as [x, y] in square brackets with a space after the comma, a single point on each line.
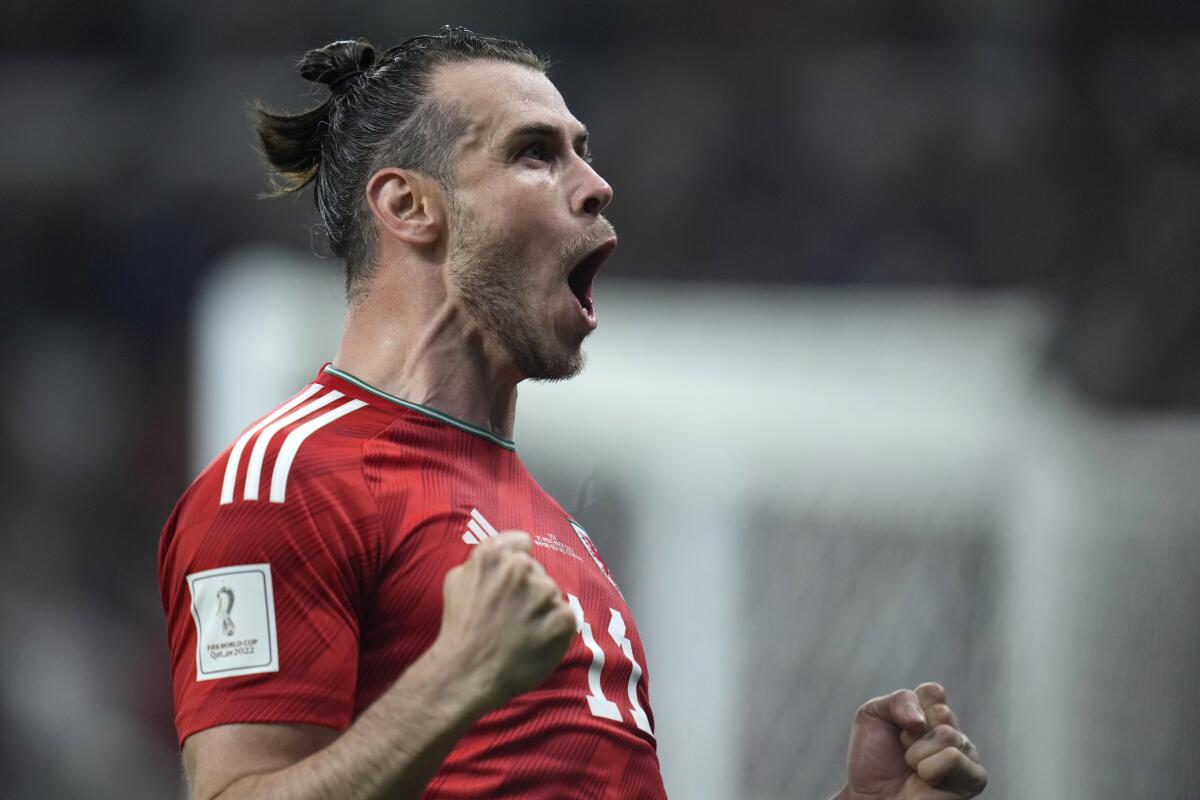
[301, 574]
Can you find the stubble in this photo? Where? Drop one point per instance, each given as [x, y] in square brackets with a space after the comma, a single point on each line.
[493, 280]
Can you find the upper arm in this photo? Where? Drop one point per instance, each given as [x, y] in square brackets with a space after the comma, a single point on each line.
[263, 599]
[216, 758]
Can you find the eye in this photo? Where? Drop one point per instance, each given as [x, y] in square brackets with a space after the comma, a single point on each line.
[538, 151]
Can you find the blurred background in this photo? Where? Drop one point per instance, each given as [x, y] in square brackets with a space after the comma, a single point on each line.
[896, 378]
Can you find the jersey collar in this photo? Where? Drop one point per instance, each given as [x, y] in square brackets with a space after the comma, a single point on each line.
[467, 427]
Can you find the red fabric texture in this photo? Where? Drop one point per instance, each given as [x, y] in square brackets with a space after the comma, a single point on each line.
[376, 505]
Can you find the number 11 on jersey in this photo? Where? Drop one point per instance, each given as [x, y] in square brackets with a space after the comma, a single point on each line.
[599, 704]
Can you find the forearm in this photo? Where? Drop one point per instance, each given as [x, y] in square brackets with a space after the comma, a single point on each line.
[391, 751]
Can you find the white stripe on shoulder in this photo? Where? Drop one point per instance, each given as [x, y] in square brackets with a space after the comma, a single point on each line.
[235, 455]
[254, 467]
[287, 453]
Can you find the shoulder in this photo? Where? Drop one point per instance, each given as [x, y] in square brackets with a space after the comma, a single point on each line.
[306, 451]
[291, 479]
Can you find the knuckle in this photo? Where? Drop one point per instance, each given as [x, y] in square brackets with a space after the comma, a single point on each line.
[929, 771]
[966, 770]
[943, 734]
[947, 733]
[514, 539]
[565, 617]
[514, 559]
[941, 712]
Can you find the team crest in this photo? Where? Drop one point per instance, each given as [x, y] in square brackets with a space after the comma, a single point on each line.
[594, 553]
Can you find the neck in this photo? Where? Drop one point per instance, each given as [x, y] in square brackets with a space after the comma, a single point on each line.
[409, 339]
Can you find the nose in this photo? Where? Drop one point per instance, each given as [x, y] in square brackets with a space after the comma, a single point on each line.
[594, 193]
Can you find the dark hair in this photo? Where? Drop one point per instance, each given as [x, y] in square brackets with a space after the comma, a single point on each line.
[379, 114]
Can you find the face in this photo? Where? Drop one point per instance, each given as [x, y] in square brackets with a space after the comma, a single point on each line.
[527, 234]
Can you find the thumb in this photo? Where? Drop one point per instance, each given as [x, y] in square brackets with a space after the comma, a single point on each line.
[900, 708]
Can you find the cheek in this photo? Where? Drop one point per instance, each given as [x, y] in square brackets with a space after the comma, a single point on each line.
[535, 193]
[533, 217]
[522, 214]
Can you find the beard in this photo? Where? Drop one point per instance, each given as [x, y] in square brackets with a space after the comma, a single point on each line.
[498, 291]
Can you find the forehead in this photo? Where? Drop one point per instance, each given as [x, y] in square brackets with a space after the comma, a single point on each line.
[498, 96]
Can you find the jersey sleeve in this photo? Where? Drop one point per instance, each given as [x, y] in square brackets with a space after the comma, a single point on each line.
[263, 599]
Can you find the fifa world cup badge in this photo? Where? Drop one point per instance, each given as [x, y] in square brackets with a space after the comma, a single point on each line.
[234, 612]
[224, 609]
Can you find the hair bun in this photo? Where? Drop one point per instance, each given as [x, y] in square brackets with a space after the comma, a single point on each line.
[337, 62]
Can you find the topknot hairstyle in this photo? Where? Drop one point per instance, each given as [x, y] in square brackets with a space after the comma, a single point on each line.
[379, 113]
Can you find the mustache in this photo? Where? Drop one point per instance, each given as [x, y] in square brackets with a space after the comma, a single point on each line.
[573, 251]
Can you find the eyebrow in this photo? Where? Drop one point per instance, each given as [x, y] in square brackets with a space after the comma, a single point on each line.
[542, 129]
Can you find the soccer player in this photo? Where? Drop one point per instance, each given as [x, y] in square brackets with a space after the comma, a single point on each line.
[367, 595]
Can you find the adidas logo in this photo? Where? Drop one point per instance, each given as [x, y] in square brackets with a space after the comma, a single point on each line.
[478, 529]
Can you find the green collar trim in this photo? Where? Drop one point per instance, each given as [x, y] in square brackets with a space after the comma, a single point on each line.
[507, 444]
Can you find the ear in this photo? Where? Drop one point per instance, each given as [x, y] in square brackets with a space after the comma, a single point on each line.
[407, 205]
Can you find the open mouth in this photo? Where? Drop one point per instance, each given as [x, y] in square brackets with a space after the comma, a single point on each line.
[581, 276]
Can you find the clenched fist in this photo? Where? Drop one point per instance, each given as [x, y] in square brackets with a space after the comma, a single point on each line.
[505, 622]
[907, 746]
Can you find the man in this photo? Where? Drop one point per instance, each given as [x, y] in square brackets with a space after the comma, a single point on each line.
[346, 618]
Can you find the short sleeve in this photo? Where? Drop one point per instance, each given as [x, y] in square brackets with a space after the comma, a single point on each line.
[263, 601]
